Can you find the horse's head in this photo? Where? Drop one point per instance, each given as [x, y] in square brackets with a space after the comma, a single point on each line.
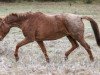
[4, 29]
[11, 20]
[6, 24]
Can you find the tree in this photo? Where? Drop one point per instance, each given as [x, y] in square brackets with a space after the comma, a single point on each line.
[88, 1]
[7, 0]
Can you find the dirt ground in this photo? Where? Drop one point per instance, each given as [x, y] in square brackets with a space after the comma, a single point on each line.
[32, 61]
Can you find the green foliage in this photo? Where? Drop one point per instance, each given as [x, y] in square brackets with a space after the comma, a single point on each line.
[85, 1]
[88, 1]
[51, 0]
[34, 0]
[15, 0]
[7, 0]
[56, 0]
[29, 0]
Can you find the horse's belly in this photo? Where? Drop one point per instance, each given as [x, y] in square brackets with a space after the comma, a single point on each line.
[50, 37]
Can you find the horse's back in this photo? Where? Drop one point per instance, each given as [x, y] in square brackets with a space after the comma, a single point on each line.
[50, 27]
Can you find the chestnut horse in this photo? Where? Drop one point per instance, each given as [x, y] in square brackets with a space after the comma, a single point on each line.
[40, 27]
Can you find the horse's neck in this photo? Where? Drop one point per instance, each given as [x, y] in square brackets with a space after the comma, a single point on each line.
[20, 21]
[23, 18]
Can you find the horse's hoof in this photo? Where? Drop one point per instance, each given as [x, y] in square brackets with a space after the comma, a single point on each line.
[92, 59]
[17, 58]
[66, 58]
[48, 61]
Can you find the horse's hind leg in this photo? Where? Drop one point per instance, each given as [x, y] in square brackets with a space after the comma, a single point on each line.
[41, 44]
[74, 46]
[86, 46]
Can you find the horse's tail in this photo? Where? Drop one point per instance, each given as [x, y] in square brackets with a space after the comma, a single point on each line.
[95, 28]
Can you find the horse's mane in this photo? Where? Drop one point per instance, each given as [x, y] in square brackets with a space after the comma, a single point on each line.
[21, 15]
[17, 15]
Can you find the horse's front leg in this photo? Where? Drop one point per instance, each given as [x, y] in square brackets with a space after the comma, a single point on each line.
[41, 44]
[23, 42]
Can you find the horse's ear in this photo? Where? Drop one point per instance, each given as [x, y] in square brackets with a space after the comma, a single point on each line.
[12, 17]
[14, 14]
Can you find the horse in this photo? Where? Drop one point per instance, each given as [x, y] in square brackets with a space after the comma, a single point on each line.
[41, 27]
